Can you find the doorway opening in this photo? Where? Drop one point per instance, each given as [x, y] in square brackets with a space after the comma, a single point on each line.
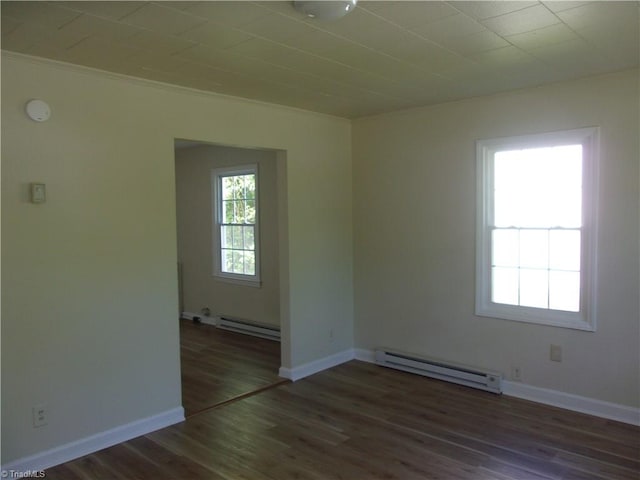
[220, 235]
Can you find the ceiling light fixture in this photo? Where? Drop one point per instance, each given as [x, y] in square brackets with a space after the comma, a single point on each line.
[325, 9]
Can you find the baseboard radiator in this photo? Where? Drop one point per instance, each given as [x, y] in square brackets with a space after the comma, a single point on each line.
[248, 328]
[471, 377]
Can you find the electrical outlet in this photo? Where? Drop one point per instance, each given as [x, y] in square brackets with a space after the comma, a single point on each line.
[40, 415]
[555, 353]
[516, 374]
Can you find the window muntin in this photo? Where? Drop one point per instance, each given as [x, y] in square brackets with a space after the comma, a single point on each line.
[536, 222]
[236, 223]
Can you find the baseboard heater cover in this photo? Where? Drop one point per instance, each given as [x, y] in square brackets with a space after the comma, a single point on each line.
[248, 328]
[468, 376]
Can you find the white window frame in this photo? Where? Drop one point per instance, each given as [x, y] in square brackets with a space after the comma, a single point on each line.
[216, 188]
[585, 318]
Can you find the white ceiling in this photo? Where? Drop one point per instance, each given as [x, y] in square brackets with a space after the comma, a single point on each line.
[384, 56]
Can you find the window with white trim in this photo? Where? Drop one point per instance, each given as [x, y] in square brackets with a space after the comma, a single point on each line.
[536, 228]
[236, 232]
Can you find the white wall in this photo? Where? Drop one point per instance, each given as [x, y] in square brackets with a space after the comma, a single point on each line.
[414, 229]
[194, 216]
[89, 287]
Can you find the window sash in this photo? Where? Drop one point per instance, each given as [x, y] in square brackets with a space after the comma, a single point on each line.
[584, 317]
[236, 230]
[547, 258]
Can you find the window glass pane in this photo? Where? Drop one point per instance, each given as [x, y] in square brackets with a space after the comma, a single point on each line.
[250, 206]
[564, 291]
[240, 212]
[227, 261]
[506, 209]
[504, 285]
[238, 262]
[249, 240]
[564, 250]
[227, 211]
[534, 288]
[238, 238]
[566, 163]
[251, 187]
[565, 208]
[249, 263]
[226, 236]
[237, 200]
[238, 187]
[505, 246]
[227, 188]
[538, 187]
[534, 248]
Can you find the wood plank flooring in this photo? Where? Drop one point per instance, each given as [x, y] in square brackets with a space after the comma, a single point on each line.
[360, 421]
[218, 365]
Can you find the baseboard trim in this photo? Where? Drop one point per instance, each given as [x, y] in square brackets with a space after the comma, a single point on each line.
[576, 403]
[316, 366]
[368, 356]
[85, 446]
[202, 318]
[554, 398]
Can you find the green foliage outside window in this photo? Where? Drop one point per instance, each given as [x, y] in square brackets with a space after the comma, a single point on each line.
[237, 230]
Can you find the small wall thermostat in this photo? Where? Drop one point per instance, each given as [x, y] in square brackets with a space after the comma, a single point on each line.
[38, 193]
[38, 110]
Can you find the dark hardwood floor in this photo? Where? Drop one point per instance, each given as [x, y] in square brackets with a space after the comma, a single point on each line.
[218, 365]
[361, 421]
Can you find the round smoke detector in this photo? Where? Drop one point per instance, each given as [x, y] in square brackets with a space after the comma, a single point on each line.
[38, 110]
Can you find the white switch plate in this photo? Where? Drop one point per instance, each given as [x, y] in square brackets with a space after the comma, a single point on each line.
[555, 353]
[38, 193]
[40, 415]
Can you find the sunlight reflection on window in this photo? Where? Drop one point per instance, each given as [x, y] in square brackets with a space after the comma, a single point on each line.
[537, 217]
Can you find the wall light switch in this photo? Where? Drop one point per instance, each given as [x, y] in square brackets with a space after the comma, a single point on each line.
[555, 353]
[38, 193]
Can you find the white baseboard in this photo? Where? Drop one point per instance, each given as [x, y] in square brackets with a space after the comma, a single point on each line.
[85, 446]
[555, 398]
[206, 320]
[316, 366]
[577, 403]
[368, 356]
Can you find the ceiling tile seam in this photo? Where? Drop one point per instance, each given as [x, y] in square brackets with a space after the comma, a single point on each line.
[35, 43]
[88, 70]
[331, 60]
[122, 42]
[453, 5]
[180, 34]
[89, 15]
[301, 72]
[443, 47]
[77, 43]
[399, 61]
[187, 13]
[506, 37]
[176, 54]
[279, 83]
[78, 15]
[68, 6]
[338, 36]
[177, 12]
[593, 45]
[412, 33]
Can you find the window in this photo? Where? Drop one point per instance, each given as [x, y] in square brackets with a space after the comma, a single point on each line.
[536, 228]
[235, 206]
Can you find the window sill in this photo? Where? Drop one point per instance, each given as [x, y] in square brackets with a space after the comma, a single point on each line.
[238, 281]
[553, 318]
